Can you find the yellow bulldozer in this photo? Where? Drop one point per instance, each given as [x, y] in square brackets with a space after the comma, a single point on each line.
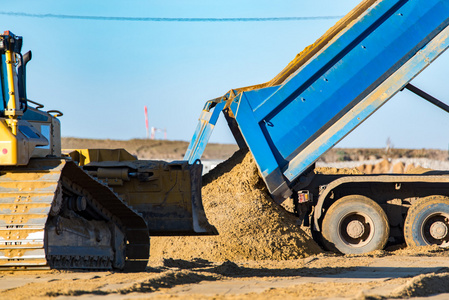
[91, 209]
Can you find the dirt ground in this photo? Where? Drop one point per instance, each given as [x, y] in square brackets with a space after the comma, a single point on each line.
[260, 253]
[399, 274]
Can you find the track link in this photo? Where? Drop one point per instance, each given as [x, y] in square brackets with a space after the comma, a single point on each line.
[54, 215]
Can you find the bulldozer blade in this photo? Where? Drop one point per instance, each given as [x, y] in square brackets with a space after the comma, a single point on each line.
[166, 194]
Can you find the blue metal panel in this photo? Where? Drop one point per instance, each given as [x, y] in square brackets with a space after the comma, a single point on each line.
[4, 88]
[369, 104]
[370, 60]
[296, 122]
[206, 124]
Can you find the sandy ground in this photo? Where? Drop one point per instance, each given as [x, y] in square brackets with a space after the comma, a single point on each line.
[396, 274]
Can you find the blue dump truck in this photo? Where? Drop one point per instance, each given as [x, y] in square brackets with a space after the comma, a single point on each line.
[328, 90]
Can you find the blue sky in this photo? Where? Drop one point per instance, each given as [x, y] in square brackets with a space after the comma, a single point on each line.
[101, 74]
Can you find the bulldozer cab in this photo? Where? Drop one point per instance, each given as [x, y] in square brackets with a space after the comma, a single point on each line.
[25, 132]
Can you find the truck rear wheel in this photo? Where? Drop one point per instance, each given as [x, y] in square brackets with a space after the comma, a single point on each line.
[427, 222]
[355, 224]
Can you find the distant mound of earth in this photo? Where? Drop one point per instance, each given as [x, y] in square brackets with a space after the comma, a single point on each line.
[151, 149]
[174, 150]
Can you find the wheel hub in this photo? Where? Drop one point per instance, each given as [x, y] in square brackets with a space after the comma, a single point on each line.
[438, 230]
[355, 229]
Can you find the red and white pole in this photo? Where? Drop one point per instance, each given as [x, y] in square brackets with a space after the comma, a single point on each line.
[146, 122]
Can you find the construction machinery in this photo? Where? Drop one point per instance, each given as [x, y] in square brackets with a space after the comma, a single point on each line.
[55, 214]
[322, 95]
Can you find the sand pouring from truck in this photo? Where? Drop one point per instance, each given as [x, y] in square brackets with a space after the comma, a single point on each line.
[329, 89]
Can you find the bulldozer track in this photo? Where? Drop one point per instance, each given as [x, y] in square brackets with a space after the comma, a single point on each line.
[54, 215]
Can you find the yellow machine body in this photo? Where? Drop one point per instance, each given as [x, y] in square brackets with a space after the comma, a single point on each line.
[53, 214]
[167, 194]
[18, 137]
[96, 214]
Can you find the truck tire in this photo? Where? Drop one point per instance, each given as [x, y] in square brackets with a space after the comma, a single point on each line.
[427, 222]
[355, 224]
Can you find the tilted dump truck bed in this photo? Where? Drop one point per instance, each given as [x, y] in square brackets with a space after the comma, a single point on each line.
[330, 88]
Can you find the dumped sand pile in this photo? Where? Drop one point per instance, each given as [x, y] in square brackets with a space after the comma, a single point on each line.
[338, 171]
[385, 166]
[390, 165]
[250, 225]
[381, 167]
[412, 169]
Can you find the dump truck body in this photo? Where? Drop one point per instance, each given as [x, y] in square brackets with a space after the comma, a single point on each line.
[322, 95]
